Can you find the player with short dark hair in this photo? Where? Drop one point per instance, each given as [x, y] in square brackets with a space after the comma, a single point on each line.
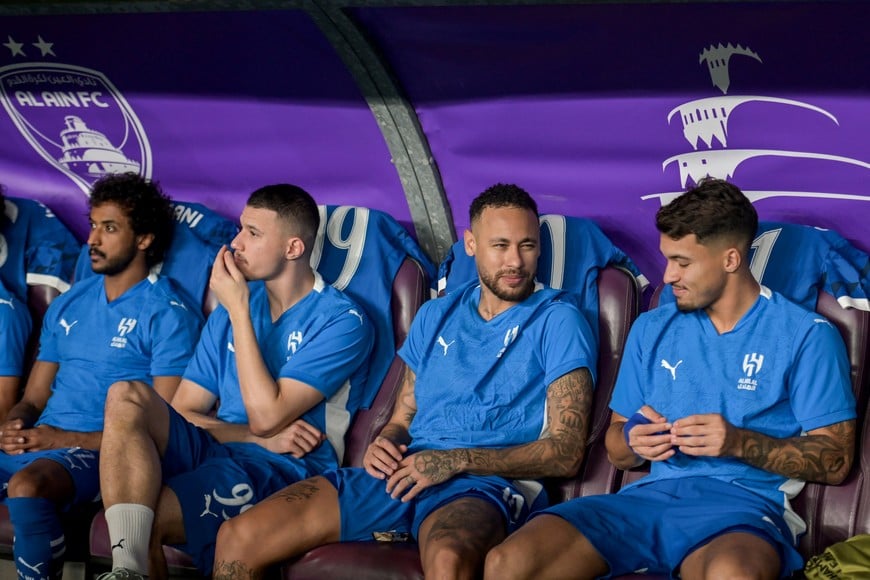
[285, 354]
[496, 395]
[733, 393]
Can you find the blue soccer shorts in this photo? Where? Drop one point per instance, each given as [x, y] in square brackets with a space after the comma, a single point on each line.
[366, 508]
[216, 481]
[660, 523]
[82, 465]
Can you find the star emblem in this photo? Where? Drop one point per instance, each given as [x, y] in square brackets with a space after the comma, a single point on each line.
[14, 47]
[44, 47]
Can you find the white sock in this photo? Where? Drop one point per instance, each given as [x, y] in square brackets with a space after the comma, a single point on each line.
[129, 533]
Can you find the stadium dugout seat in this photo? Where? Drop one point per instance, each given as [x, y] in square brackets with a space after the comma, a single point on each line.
[618, 304]
[832, 513]
[369, 255]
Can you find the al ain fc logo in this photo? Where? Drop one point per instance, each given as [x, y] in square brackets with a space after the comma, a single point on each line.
[73, 117]
[706, 120]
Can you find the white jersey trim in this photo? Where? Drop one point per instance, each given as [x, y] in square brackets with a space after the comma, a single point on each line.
[47, 280]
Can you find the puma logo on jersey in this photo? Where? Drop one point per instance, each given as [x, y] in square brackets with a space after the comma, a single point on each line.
[445, 345]
[672, 368]
[67, 326]
[179, 304]
[7, 303]
[357, 314]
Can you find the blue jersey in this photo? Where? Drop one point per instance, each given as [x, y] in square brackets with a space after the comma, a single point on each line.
[197, 236]
[146, 332]
[781, 371]
[35, 248]
[14, 330]
[359, 251]
[572, 251]
[800, 261]
[324, 341]
[484, 383]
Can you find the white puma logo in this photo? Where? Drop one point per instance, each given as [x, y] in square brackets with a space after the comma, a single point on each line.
[179, 304]
[8, 303]
[34, 568]
[444, 345]
[673, 369]
[357, 314]
[67, 326]
[207, 511]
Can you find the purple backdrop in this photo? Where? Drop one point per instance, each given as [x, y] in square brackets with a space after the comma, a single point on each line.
[598, 110]
[572, 102]
[226, 101]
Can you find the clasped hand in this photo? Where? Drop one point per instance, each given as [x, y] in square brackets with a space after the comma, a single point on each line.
[15, 439]
[698, 435]
[406, 476]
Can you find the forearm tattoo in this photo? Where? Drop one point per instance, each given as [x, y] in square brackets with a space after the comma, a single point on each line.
[824, 458]
[559, 454]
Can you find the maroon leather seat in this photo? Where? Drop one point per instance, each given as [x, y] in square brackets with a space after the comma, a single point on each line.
[832, 512]
[619, 303]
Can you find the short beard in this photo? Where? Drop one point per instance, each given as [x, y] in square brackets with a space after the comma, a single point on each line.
[513, 295]
[116, 265]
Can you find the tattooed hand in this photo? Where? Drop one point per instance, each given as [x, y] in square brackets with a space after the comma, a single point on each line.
[425, 469]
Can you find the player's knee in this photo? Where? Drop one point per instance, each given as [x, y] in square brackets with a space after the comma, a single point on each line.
[736, 569]
[28, 483]
[501, 563]
[448, 558]
[128, 397]
[234, 541]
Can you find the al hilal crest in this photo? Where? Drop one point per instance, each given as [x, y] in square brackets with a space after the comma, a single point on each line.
[76, 119]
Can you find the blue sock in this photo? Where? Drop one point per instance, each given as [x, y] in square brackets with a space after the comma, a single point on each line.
[39, 541]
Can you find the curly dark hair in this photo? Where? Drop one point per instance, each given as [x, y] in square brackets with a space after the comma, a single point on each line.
[501, 195]
[292, 204]
[713, 210]
[146, 206]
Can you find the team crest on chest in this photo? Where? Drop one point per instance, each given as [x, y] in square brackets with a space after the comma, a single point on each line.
[294, 341]
[752, 364]
[125, 327]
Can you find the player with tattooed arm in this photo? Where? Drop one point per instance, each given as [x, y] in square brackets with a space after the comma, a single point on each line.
[734, 394]
[496, 394]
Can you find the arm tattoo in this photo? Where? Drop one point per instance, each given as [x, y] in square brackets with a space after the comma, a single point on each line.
[823, 457]
[558, 454]
[406, 405]
[232, 571]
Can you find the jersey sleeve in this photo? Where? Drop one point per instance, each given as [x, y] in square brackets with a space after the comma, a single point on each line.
[415, 344]
[14, 330]
[847, 274]
[820, 382]
[48, 351]
[628, 393]
[330, 357]
[174, 333]
[567, 343]
[51, 251]
[206, 359]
